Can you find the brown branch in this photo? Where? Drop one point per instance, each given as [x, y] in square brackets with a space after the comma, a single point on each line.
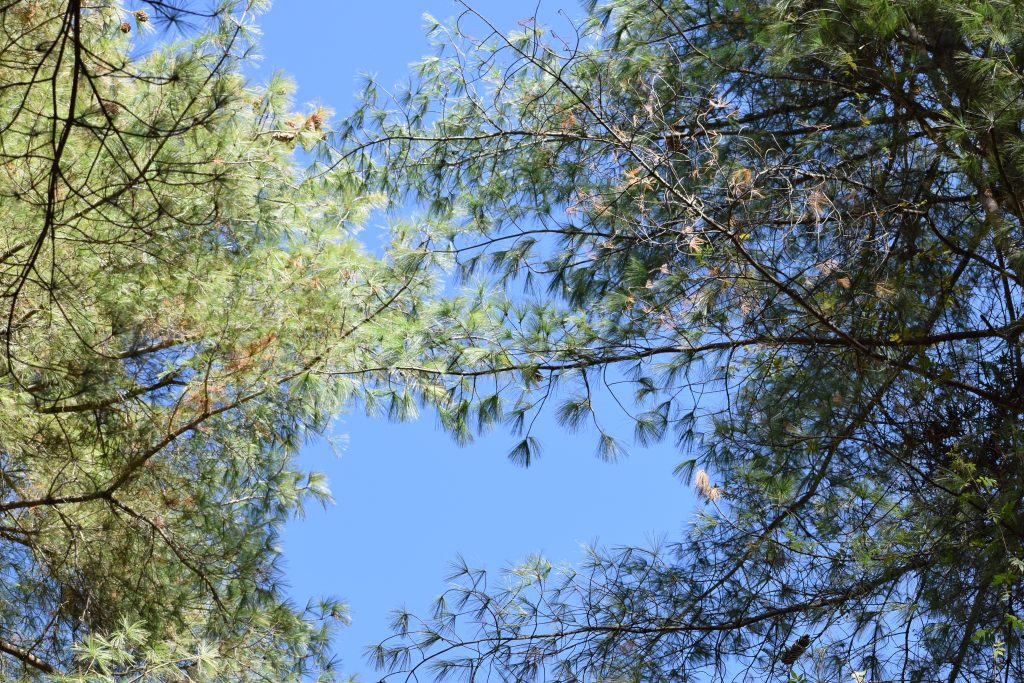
[170, 379]
[26, 657]
[972, 621]
[854, 343]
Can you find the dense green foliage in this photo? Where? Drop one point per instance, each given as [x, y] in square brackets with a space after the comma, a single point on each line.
[787, 232]
[179, 299]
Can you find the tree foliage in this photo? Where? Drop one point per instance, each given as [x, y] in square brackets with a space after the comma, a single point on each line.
[785, 232]
[179, 302]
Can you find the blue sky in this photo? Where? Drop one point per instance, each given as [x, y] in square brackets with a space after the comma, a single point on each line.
[408, 500]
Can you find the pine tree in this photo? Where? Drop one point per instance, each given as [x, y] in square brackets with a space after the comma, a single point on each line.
[180, 303]
[787, 232]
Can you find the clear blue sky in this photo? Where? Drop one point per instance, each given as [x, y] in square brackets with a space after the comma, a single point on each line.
[408, 499]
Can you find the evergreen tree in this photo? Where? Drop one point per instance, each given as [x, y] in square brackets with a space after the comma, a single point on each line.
[787, 232]
[178, 301]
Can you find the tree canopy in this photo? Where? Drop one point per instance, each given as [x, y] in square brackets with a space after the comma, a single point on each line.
[786, 233]
[180, 300]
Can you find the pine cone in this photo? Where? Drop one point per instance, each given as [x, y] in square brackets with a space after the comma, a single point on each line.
[793, 652]
[316, 120]
[141, 16]
[126, 27]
